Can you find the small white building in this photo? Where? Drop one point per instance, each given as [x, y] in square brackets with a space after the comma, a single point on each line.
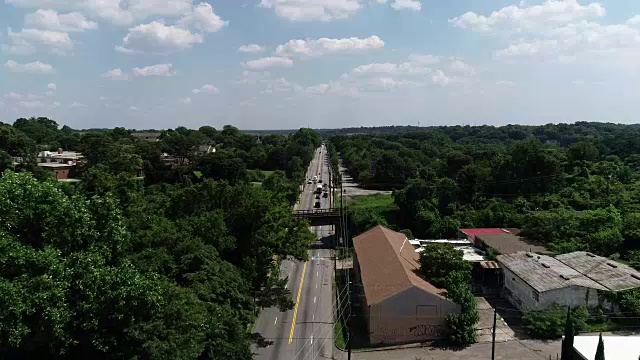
[615, 347]
[533, 281]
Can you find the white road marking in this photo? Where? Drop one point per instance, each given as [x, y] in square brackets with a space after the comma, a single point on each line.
[275, 321]
[314, 299]
[312, 339]
[317, 273]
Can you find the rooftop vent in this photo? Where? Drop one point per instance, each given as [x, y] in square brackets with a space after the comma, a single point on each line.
[635, 276]
[546, 265]
[612, 265]
[590, 254]
[564, 277]
[530, 255]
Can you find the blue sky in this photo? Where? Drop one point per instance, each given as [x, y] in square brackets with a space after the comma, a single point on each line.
[272, 64]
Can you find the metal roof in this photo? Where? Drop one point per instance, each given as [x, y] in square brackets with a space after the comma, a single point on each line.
[509, 243]
[544, 273]
[613, 275]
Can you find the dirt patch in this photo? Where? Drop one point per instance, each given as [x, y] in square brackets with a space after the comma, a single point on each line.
[351, 189]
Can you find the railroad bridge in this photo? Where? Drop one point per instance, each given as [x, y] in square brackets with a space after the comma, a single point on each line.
[319, 217]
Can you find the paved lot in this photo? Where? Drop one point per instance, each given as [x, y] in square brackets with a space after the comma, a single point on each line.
[352, 190]
[512, 350]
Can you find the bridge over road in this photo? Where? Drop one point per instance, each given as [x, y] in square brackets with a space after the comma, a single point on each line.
[319, 217]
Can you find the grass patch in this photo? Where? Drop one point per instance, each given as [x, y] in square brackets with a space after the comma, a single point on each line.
[338, 334]
[377, 202]
[368, 211]
[258, 175]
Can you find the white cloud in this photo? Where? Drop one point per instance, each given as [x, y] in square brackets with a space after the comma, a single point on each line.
[19, 96]
[76, 104]
[281, 85]
[570, 41]
[158, 38]
[206, 89]
[547, 16]
[52, 87]
[202, 18]
[268, 62]
[27, 41]
[507, 83]
[186, 100]
[133, 108]
[324, 46]
[388, 83]
[31, 104]
[253, 77]
[406, 5]
[462, 67]
[116, 11]
[56, 104]
[51, 20]
[406, 68]
[439, 78]
[306, 10]
[116, 74]
[634, 21]
[251, 48]
[155, 70]
[36, 67]
[425, 58]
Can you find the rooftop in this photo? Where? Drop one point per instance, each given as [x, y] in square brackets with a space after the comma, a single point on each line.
[509, 243]
[388, 264]
[613, 275]
[544, 273]
[472, 233]
[615, 347]
[55, 165]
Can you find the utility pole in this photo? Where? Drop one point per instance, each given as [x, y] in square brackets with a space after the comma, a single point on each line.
[493, 335]
[349, 338]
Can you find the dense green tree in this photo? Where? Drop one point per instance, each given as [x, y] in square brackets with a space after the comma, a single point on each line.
[438, 260]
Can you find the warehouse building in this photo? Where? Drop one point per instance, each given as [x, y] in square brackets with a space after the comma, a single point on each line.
[399, 305]
[534, 281]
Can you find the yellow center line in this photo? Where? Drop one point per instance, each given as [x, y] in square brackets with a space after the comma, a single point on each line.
[295, 311]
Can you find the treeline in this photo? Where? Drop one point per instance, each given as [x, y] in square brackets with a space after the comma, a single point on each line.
[171, 266]
[573, 187]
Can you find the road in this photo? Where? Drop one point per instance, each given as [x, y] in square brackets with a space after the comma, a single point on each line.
[306, 332]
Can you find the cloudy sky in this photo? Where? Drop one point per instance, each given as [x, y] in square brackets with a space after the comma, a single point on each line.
[272, 64]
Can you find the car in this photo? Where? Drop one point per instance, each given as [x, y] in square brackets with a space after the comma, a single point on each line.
[320, 181]
[318, 196]
[317, 205]
[325, 195]
[309, 182]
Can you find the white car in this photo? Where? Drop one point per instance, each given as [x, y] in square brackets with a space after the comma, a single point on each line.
[309, 182]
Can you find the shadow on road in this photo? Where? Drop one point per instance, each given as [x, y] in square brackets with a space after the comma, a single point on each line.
[260, 340]
[323, 243]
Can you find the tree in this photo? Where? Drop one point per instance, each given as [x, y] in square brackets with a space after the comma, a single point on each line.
[15, 143]
[600, 349]
[438, 260]
[567, 342]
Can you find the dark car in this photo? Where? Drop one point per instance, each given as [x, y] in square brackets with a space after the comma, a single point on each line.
[325, 195]
[317, 205]
[320, 181]
[317, 196]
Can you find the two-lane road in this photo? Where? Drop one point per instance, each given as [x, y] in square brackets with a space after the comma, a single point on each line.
[306, 332]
